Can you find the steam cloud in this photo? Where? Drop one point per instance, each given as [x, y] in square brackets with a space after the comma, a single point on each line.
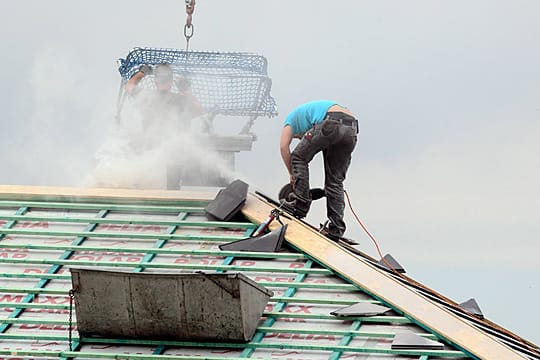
[137, 157]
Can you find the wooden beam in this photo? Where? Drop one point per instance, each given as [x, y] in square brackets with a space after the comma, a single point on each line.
[70, 194]
[384, 287]
[231, 143]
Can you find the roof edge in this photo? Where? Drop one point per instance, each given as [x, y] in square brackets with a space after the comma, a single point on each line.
[82, 194]
[374, 281]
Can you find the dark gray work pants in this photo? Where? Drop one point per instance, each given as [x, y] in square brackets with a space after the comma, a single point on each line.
[337, 142]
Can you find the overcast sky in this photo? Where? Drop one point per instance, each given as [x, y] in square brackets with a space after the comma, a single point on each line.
[446, 171]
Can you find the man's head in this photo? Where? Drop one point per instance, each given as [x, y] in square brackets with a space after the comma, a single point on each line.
[183, 85]
[163, 77]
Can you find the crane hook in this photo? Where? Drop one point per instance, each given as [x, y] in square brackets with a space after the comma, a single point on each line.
[188, 27]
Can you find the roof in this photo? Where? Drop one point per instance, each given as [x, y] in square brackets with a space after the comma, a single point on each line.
[47, 230]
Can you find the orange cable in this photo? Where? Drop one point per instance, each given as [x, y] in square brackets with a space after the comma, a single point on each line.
[447, 301]
[369, 234]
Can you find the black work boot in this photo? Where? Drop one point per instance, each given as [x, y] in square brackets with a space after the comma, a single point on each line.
[334, 237]
[324, 231]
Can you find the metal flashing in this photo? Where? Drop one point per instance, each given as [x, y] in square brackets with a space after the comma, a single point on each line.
[361, 309]
[472, 306]
[389, 259]
[413, 341]
[270, 242]
[228, 201]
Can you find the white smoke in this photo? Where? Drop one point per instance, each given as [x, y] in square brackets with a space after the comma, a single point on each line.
[60, 124]
[136, 157]
[72, 137]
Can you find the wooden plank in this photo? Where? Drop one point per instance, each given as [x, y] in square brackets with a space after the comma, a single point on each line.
[384, 287]
[232, 143]
[71, 194]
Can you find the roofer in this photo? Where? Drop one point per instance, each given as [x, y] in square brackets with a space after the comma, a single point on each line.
[325, 126]
[167, 111]
[172, 102]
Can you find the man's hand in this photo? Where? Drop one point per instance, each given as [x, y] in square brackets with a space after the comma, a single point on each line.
[146, 69]
[143, 70]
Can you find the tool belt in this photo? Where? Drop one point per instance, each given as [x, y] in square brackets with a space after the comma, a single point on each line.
[343, 119]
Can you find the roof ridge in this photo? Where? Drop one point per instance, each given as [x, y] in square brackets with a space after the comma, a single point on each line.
[379, 284]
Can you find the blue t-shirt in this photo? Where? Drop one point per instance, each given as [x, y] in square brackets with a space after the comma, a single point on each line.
[303, 117]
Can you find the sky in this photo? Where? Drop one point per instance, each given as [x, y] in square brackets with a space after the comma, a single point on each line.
[446, 171]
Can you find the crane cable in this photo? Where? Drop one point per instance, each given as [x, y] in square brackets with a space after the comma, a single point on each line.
[370, 236]
[188, 27]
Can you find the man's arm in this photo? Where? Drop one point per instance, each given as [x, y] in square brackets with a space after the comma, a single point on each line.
[136, 78]
[195, 105]
[284, 146]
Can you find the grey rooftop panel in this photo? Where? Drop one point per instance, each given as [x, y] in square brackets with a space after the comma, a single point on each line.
[361, 309]
[270, 242]
[389, 259]
[228, 201]
[472, 306]
[413, 341]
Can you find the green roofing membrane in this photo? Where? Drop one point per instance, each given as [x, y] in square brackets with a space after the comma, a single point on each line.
[40, 241]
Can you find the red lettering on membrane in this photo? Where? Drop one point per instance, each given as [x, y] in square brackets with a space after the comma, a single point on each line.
[10, 298]
[6, 255]
[32, 224]
[132, 228]
[297, 265]
[295, 309]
